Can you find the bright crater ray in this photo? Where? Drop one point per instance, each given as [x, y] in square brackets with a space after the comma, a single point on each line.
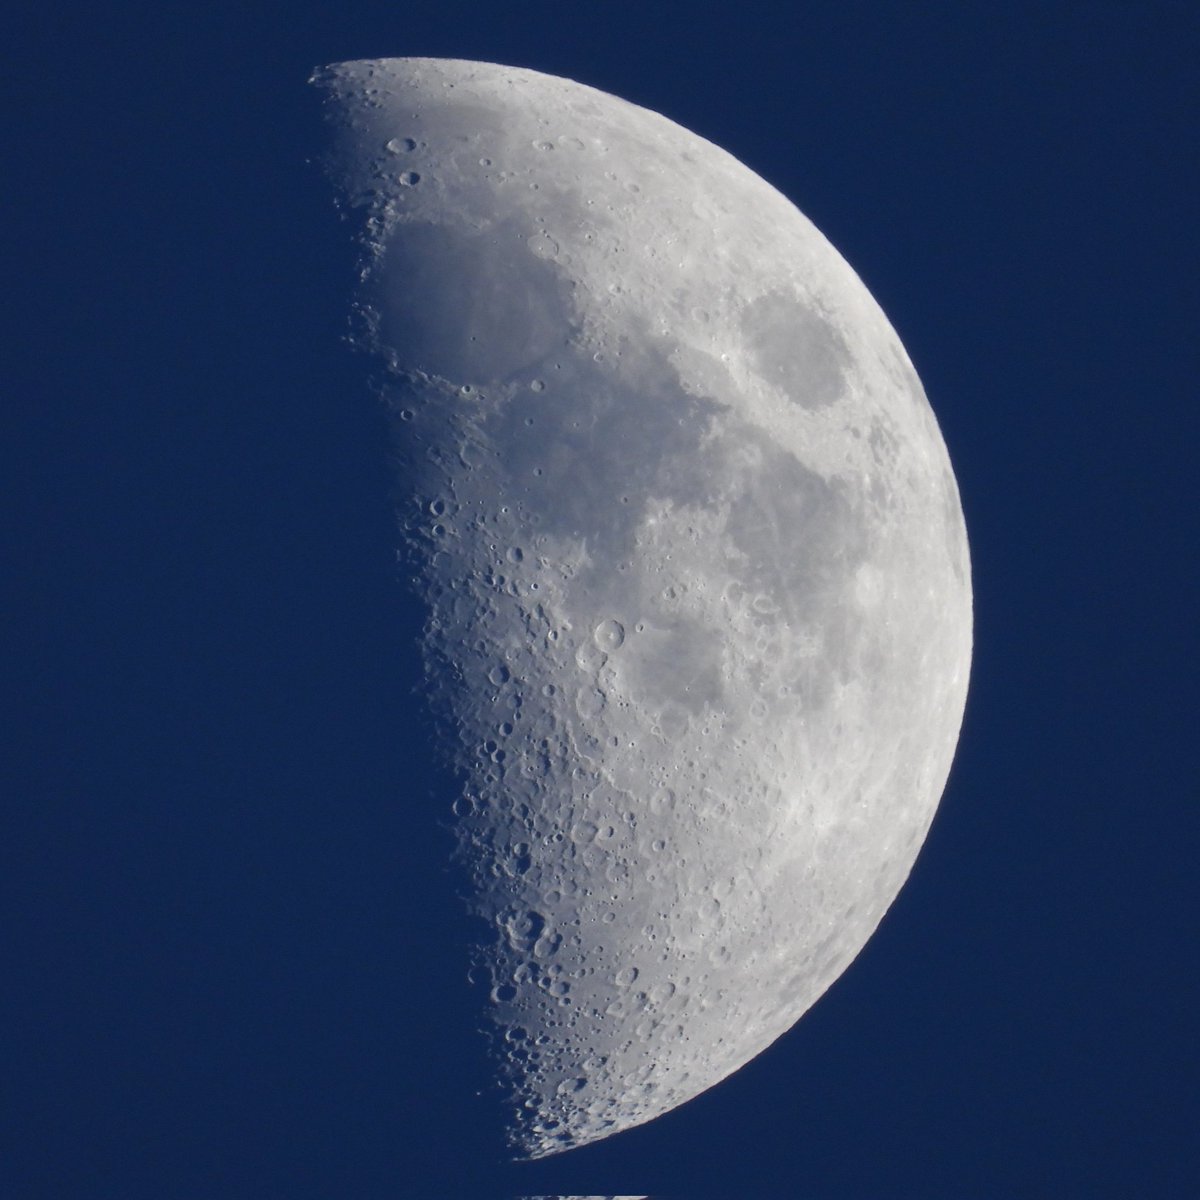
[698, 591]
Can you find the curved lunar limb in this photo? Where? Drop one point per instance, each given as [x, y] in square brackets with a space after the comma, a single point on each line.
[695, 568]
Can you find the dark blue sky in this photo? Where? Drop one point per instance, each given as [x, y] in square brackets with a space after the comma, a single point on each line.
[227, 968]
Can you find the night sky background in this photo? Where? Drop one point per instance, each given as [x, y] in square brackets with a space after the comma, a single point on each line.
[229, 965]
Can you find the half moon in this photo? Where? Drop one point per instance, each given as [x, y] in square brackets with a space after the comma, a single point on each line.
[695, 567]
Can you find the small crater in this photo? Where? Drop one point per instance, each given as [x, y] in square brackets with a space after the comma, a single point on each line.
[662, 801]
[584, 832]
[590, 657]
[523, 930]
[543, 245]
[609, 635]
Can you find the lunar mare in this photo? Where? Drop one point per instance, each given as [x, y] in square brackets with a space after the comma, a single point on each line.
[694, 564]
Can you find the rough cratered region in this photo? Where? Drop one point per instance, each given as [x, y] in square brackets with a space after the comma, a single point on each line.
[698, 595]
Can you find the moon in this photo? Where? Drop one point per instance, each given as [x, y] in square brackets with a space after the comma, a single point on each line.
[694, 565]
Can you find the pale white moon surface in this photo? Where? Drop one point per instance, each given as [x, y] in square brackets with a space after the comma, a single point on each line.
[694, 562]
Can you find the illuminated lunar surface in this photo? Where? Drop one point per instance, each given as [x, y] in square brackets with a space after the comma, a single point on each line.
[695, 569]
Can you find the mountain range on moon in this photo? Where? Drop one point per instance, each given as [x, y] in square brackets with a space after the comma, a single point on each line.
[694, 565]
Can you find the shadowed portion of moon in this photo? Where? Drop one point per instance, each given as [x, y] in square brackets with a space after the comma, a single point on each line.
[696, 578]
